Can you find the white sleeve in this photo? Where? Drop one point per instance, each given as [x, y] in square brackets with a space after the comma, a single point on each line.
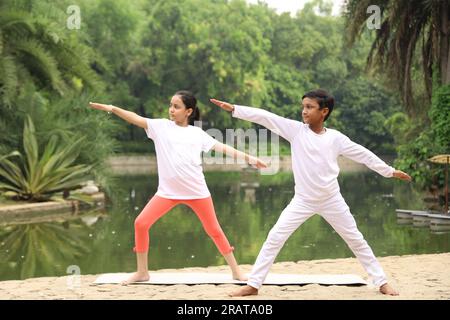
[207, 142]
[283, 127]
[358, 153]
[152, 127]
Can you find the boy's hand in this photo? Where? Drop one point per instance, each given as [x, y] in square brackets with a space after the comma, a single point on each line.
[224, 105]
[256, 162]
[401, 175]
[100, 106]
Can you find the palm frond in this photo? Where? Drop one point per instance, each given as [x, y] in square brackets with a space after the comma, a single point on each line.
[16, 21]
[30, 146]
[40, 62]
[404, 27]
[9, 81]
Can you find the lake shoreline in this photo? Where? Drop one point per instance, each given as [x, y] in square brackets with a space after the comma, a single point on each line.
[147, 164]
[49, 210]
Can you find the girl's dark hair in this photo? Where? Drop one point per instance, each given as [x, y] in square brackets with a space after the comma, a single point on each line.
[325, 99]
[190, 102]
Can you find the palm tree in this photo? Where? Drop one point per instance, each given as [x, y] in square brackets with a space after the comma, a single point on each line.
[406, 26]
[33, 47]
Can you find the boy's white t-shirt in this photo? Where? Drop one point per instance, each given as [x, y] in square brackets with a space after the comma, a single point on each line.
[314, 156]
[178, 153]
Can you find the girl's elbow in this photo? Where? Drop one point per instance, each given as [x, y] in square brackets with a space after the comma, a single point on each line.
[142, 123]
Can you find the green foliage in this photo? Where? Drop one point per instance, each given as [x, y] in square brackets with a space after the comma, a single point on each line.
[33, 48]
[424, 144]
[245, 54]
[37, 176]
[411, 50]
[136, 54]
[48, 72]
[413, 159]
[363, 118]
[440, 118]
[412, 36]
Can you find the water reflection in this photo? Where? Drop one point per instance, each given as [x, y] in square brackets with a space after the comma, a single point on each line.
[247, 206]
[44, 248]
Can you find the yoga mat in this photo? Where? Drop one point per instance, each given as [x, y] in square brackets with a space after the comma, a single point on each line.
[191, 278]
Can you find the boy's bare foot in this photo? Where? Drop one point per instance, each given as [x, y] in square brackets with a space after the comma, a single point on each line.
[387, 289]
[136, 277]
[244, 291]
[240, 277]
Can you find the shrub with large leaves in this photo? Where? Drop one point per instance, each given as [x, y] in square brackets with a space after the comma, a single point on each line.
[37, 177]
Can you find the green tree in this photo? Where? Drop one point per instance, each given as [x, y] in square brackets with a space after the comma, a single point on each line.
[34, 48]
[49, 73]
[406, 28]
[412, 45]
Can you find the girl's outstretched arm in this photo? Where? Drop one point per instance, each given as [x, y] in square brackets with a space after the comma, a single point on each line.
[128, 116]
[358, 153]
[232, 152]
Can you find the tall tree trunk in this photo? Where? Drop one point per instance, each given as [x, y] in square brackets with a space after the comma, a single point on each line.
[445, 43]
[427, 53]
[407, 87]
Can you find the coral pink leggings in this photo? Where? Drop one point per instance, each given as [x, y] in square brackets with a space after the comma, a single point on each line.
[158, 206]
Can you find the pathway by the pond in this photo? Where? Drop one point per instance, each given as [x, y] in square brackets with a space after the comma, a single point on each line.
[415, 276]
[146, 164]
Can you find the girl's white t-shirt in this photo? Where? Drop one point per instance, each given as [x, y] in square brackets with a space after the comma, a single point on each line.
[178, 154]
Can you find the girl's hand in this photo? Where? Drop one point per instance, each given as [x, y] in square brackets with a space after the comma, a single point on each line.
[256, 162]
[401, 175]
[100, 106]
[224, 105]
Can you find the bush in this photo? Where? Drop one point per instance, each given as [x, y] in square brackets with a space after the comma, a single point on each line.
[37, 176]
[433, 139]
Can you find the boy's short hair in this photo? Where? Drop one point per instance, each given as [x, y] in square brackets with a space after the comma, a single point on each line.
[325, 99]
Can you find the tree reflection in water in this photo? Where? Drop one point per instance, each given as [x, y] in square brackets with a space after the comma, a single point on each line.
[45, 248]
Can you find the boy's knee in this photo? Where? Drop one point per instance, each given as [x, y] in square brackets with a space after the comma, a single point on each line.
[274, 238]
[357, 241]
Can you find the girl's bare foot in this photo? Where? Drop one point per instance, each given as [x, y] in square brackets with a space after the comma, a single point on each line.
[387, 289]
[136, 277]
[240, 277]
[244, 291]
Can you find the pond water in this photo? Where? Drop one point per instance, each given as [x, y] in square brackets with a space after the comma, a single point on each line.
[102, 242]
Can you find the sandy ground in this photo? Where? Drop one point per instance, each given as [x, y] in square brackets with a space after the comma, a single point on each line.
[415, 276]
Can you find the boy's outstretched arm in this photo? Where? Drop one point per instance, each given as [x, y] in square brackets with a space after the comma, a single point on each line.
[234, 153]
[128, 116]
[283, 127]
[358, 153]
[224, 105]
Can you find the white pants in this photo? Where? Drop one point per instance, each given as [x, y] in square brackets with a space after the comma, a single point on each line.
[337, 213]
